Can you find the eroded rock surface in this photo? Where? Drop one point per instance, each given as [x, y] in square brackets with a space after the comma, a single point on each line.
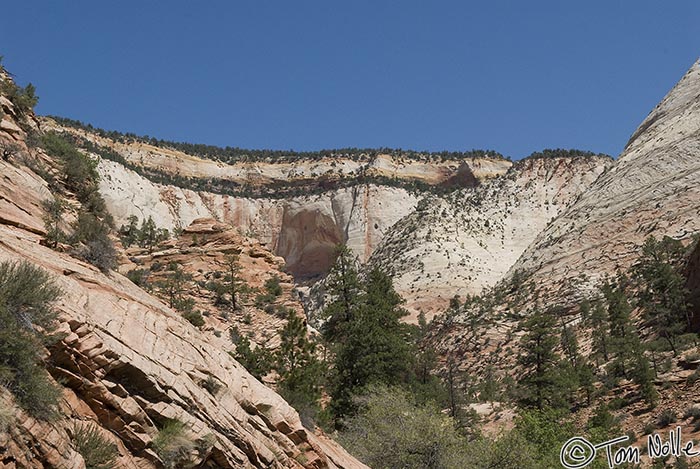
[652, 189]
[467, 241]
[127, 362]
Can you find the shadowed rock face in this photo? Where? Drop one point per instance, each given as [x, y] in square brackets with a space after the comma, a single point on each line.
[464, 177]
[307, 241]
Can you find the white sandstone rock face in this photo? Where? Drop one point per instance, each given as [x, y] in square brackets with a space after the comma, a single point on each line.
[303, 230]
[128, 362]
[467, 241]
[652, 189]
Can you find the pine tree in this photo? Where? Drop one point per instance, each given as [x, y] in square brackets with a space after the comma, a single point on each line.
[344, 287]
[130, 233]
[232, 280]
[662, 293]
[569, 343]
[624, 339]
[626, 348]
[296, 362]
[174, 286]
[258, 360]
[148, 234]
[548, 382]
[376, 345]
[597, 319]
[643, 376]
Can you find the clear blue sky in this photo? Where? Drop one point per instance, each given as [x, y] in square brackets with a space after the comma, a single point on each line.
[511, 76]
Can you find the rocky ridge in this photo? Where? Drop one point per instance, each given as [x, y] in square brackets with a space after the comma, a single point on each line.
[200, 252]
[127, 363]
[303, 229]
[650, 190]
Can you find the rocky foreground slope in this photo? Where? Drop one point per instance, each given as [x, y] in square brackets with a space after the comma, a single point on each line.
[467, 241]
[128, 363]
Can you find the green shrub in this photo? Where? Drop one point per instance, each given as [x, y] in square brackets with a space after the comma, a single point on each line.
[194, 317]
[649, 429]
[27, 319]
[273, 287]
[211, 385]
[666, 418]
[93, 224]
[99, 252]
[257, 361]
[184, 305]
[54, 210]
[173, 446]
[6, 417]
[139, 277]
[79, 170]
[264, 299]
[96, 450]
[24, 99]
[403, 433]
[692, 412]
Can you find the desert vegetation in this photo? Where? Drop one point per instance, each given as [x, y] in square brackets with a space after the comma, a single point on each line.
[23, 98]
[393, 405]
[233, 154]
[27, 323]
[89, 237]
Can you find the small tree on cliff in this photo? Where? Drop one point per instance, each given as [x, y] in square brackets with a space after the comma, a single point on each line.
[173, 287]
[232, 280]
[296, 362]
[258, 361]
[27, 318]
[626, 348]
[624, 342]
[344, 287]
[130, 233]
[228, 290]
[549, 381]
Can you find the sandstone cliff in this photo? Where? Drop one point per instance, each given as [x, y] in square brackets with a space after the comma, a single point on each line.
[355, 200]
[652, 189]
[467, 241]
[302, 230]
[128, 363]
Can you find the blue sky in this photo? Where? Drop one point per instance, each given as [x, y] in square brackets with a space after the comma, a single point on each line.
[514, 77]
